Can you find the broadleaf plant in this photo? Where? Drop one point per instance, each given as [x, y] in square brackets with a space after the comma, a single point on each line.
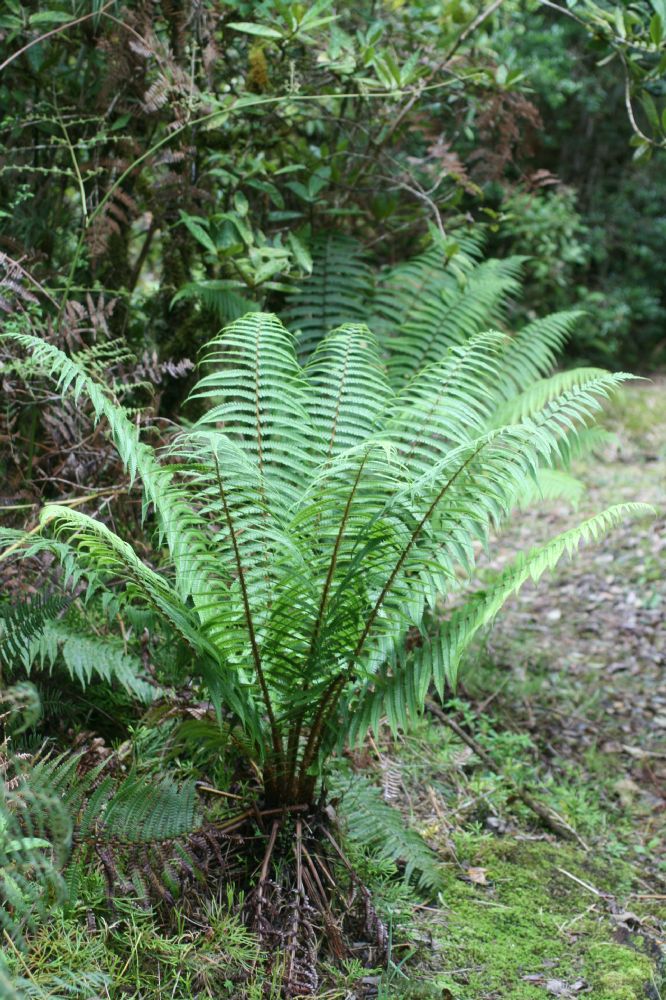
[315, 514]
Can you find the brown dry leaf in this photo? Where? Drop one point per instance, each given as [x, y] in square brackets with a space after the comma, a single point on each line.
[626, 791]
[477, 875]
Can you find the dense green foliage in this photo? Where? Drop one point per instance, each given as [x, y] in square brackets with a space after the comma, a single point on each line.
[170, 159]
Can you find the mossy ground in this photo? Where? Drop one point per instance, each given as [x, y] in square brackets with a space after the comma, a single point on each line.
[532, 930]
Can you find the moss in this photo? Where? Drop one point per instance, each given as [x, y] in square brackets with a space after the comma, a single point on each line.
[531, 923]
[618, 972]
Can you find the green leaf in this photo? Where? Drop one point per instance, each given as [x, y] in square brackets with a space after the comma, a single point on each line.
[241, 203]
[659, 7]
[197, 230]
[268, 270]
[656, 29]
[44, 17]
[620, 25]
[650, 109]
[300, 252]
[261, 30]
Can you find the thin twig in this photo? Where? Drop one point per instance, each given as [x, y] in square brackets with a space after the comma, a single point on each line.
[553, 820]
[216, 791]
[585, 885]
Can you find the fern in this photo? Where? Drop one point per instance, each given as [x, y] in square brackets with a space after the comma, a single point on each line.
[220, 296]
[446, 309]
[35, 828]
[337, 291]
[20, 624]
[371, 822]
[400, 688]
[87, 656]
[315, 515]
[29, 637]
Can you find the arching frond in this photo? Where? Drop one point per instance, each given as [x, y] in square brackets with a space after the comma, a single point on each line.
[542, 392]
[114, 558]
[446, 403]
[398, 691]
[479, 609]
[404, 284]
[533, 351]
[177, 521]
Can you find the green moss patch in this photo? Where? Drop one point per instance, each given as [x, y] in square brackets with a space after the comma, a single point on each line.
[532, 931]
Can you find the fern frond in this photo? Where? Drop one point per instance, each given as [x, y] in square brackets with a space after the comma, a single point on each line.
[221, 297]
[373, 823]
[480, 608]
[85, 657]
[114, 557]
[446, 403]
[403, 284]
[398, 691]
[22, 623]
[35, 829]
[258, 391]
[533, 352]
[140, 811]
[177, 521]
[336, 292]
[542, 392]
[94, 543]
[349, 388]
[444, 309]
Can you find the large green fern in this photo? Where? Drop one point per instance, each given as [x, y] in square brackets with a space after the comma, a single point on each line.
[312, 517]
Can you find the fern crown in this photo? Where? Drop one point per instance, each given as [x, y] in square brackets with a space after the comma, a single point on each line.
[318, 511]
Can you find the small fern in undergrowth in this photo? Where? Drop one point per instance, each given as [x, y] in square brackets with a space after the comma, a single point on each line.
[20, 624]
[35, 826]
[314, 515]
[372, 822]
[36, 636]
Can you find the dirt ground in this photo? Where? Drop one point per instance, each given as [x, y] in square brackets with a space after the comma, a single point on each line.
[584, 653]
